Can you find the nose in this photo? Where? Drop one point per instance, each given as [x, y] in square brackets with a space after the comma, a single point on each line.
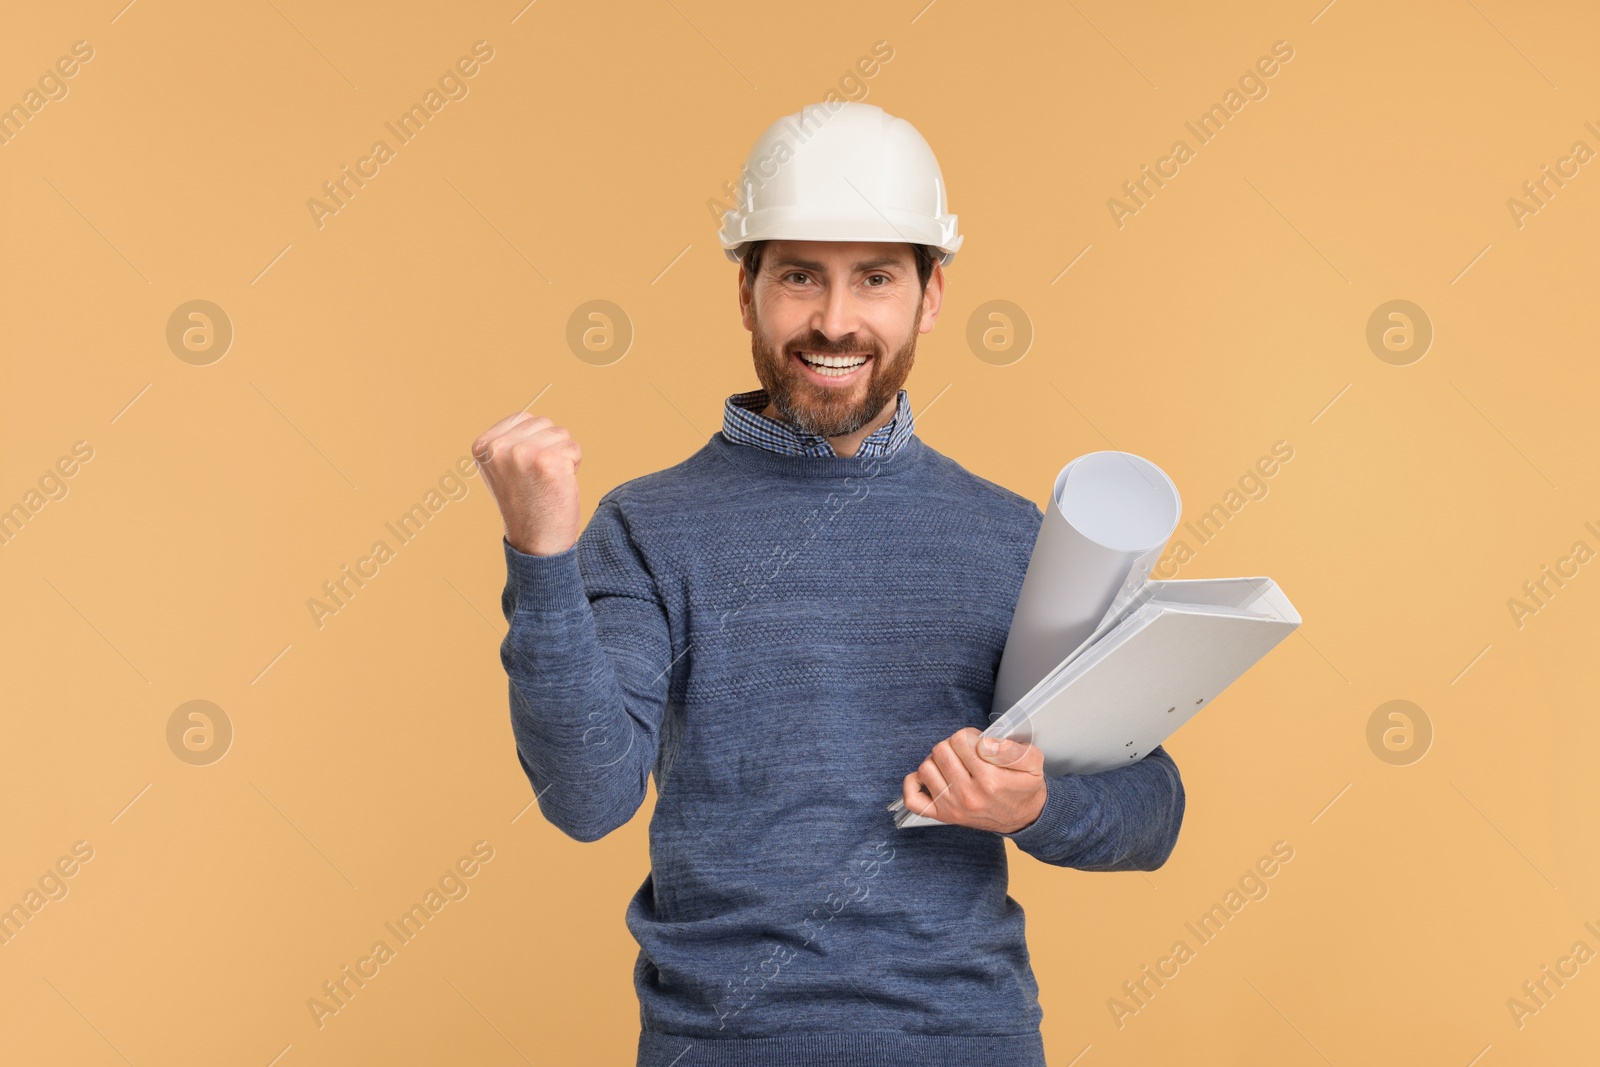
[837, 315]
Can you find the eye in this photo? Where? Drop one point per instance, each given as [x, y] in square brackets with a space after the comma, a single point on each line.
[885, 278]
[795, 274]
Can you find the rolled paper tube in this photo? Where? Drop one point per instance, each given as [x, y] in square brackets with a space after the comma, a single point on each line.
[1110, 515]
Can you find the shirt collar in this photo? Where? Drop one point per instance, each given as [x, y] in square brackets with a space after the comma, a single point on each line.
[743, 424]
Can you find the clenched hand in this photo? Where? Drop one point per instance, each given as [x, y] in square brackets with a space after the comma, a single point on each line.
[986, 784]
[531, 465]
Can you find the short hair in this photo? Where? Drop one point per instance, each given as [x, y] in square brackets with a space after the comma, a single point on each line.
[925, 256]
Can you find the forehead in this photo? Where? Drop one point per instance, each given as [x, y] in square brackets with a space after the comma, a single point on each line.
[824, 256]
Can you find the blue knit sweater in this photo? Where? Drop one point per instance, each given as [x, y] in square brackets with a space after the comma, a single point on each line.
[780, 640]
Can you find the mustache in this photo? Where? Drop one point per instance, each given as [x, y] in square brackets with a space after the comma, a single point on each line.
[847, 345]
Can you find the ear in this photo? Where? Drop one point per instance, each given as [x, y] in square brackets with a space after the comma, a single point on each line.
[932, 299]
[747, 312]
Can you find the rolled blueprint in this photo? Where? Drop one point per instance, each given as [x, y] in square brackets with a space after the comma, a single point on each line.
[1110, 515]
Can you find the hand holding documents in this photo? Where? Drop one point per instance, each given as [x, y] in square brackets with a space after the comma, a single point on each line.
[1101, 665]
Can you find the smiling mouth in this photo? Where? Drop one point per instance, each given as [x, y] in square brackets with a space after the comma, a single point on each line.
[831, 366]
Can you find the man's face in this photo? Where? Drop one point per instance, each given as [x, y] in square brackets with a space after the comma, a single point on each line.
[855, 305]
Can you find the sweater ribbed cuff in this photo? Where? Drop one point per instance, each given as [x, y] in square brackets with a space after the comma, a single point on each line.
[544, 583]
[1063, 800]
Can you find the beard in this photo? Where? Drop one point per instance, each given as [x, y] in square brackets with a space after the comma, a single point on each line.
[824, 410]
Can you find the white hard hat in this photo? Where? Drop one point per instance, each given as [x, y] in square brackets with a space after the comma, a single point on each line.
[841, 172]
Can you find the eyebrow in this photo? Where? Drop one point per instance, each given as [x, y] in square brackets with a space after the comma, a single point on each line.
[865, 264]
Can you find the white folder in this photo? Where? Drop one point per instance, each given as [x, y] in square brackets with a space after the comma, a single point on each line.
[1174, 648]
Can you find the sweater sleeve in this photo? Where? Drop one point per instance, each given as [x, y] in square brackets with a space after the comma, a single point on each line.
[588, 659]
[1125, 819]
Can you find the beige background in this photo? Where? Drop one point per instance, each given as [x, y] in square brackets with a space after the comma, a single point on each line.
[1228, 314]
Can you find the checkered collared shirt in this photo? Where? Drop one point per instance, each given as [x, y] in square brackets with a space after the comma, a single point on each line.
[743, 424]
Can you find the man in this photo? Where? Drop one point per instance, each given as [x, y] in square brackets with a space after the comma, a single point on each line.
[797, 620]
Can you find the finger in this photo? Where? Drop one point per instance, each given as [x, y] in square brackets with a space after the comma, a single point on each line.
[933, 779]
[965, 745]
[497, 429]
[536, 429]
[541, 433]
[509, 429]
[955, 772]
[914, 798]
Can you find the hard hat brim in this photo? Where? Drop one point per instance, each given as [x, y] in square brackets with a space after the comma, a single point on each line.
[889, 226]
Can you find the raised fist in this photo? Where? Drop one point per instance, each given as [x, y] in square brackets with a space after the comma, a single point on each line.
[531, 466]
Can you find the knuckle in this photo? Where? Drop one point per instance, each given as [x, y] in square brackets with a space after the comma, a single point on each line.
[550, 462]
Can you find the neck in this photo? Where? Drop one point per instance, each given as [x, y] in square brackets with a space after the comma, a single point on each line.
[850, 443]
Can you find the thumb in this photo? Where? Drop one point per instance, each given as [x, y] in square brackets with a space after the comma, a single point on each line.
[1002, 752]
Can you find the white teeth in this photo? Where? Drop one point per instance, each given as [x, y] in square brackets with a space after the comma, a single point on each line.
[845, 362]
